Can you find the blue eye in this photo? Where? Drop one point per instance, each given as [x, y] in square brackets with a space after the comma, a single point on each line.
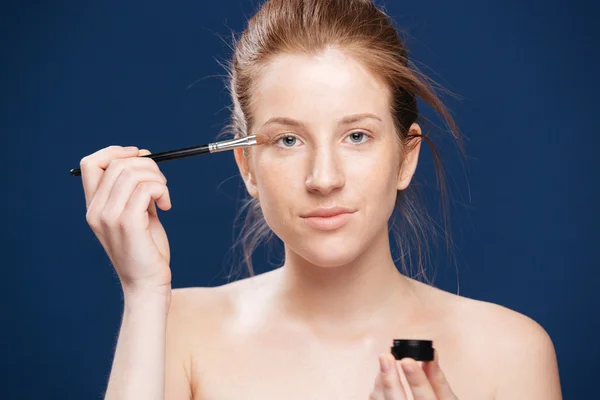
[356, 137]
[288, 140]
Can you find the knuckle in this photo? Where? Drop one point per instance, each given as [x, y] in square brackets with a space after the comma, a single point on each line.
[149, 188]
[388, 383]
[92, 219]
[85, 161]
[128, 174]
[115, 163]
[107, 218]
[124, 223]
[142, 188]
[150, 164]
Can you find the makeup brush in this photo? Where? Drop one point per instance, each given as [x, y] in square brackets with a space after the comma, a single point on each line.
[231, 144]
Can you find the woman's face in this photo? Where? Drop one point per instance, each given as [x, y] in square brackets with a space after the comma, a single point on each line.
[331, 143]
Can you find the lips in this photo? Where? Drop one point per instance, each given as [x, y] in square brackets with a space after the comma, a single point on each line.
[327, 219]
[328, 212]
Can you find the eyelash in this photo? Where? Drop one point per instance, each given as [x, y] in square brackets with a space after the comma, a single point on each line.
[278, 138]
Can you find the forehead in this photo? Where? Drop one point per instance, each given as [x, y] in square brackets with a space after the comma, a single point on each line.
[329, 85]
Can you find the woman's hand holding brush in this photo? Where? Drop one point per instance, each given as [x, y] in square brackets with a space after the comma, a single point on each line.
[121, 190]
[123, 186]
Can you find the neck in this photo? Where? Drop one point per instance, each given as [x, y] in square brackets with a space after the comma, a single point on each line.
[367, 291]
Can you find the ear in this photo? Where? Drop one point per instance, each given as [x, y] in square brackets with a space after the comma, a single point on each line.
[243, 163]
[409, 164]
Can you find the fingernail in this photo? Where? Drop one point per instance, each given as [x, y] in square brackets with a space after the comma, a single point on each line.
[130, 148]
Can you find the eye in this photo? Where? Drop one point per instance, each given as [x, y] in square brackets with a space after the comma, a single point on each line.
[287, 140]
[357, 137]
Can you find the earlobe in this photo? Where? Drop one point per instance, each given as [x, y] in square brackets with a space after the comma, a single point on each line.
[251, 185]
[409, 164]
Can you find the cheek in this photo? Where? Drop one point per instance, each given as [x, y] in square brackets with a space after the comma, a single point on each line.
[278, 183]
[374, 179]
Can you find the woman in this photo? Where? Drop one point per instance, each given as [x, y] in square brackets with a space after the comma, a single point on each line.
[328, 81]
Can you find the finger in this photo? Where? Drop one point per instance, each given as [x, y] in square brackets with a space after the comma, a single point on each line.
[440, 385]
[113, 171]
[417, 380]
[123, 188]
[391, 385]
[93, 166]
[377, 392]
[143, 195]
[152, 207]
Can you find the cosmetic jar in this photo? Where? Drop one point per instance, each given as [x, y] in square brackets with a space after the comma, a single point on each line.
[419, 350]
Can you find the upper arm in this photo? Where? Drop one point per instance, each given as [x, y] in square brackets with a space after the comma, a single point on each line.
[177, 350]
[528, 368]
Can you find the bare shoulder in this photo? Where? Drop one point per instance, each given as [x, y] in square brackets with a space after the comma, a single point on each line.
[193, 325]
[525, 359]
[194, 299]
[204, 312]
[506, 328]
[515, 348]
[195, 310]
[195, 316]
[489, 322]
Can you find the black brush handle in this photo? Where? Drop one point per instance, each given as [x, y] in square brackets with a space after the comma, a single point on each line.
[167, 155]
[180, 153]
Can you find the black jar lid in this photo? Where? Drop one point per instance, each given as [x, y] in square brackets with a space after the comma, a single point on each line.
[419, 350]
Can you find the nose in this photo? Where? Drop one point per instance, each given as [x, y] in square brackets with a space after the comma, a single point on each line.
[326, 173]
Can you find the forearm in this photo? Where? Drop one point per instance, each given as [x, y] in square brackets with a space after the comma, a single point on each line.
[138, 369]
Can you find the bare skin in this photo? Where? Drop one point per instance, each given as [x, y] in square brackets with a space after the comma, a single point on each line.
[320, 326]
[243, 345]
[315, 328]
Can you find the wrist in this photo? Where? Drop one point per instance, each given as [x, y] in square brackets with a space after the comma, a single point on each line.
[147, 295]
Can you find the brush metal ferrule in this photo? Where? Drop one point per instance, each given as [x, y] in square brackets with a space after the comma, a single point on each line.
[232, 144]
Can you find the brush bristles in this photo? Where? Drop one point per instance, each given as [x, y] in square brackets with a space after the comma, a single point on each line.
[261, 138]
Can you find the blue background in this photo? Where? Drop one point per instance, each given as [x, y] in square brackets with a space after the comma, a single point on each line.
[78, 76]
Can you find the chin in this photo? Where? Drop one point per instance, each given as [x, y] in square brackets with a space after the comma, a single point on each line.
[329, 255]
[327, 260]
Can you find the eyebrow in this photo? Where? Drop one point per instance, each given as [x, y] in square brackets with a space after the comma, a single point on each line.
[349, 119]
